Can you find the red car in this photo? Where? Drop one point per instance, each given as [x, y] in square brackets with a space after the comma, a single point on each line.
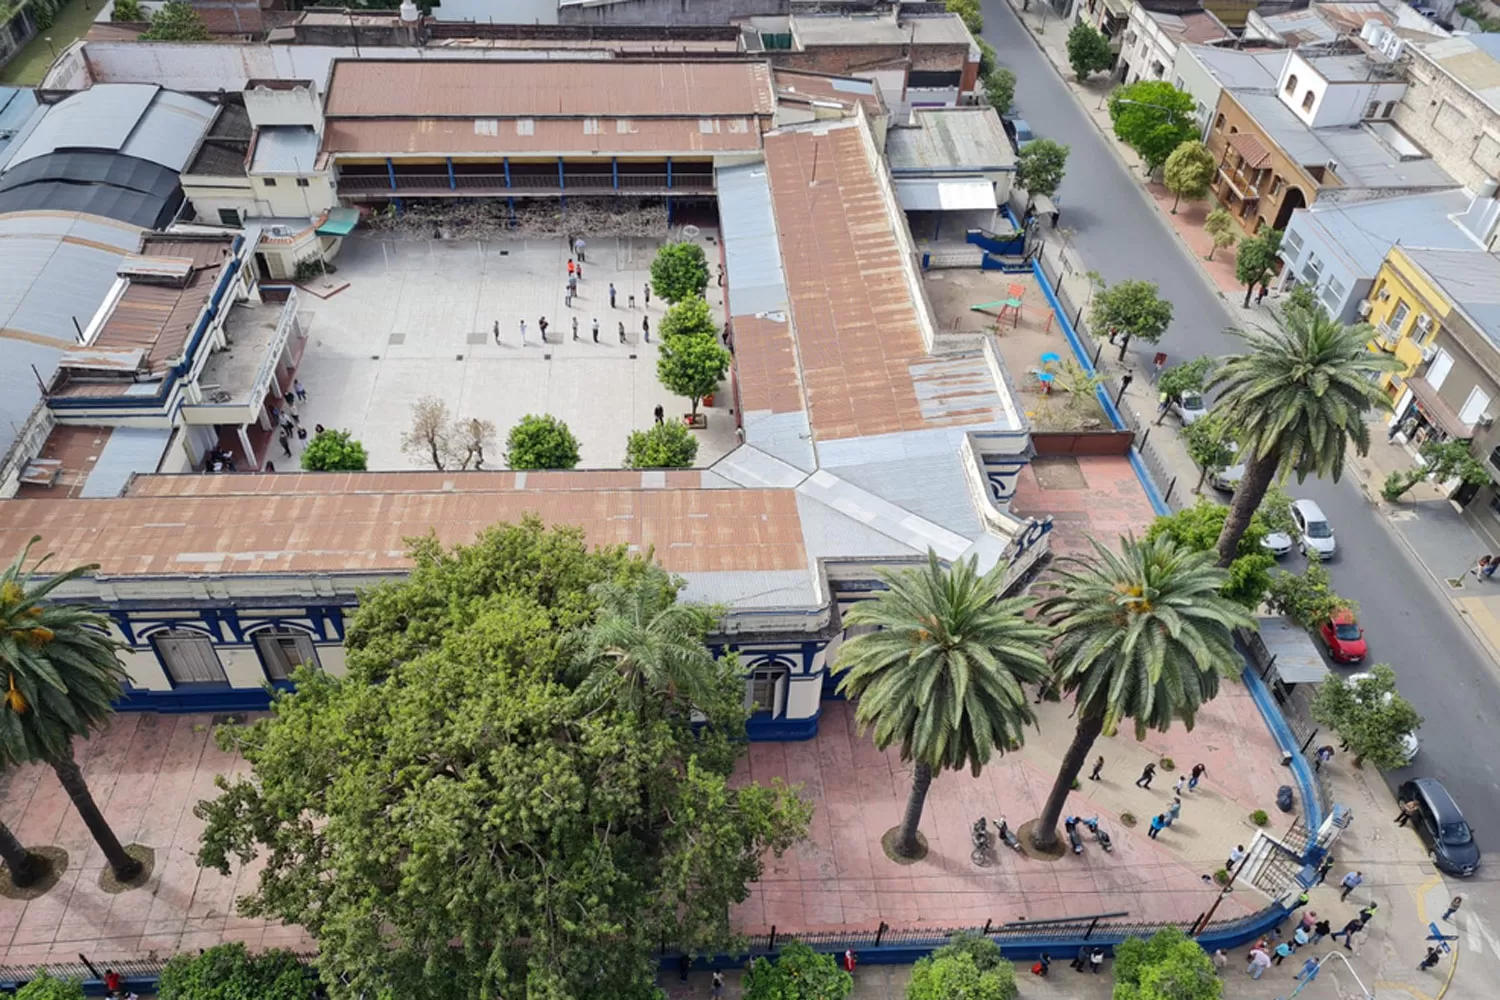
[1345, 639]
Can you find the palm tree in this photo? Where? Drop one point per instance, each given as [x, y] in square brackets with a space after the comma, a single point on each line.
[942, 676]
[25, 868]
[63, 674]
[643, 645]
[1296, 399]
[1143, 634]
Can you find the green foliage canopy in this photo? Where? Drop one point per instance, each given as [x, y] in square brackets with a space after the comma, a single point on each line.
[1039, 167]
[541, 442]
[1189, 171]
[1368, 714]
[45, 987]
[1088, 50]
[334, 451]
[176, 21]
[1133, 308]
[667, 445]
[692, 366]
[1153, 118]
[455, 819]
[1197, 529]
[127, 10]
[799, 973]
[1168, 966]
[1000, 89]
[1307, 598]
[1255, 260]
[679, 271]
[1220, 227]
[229, 972]
[688, 317]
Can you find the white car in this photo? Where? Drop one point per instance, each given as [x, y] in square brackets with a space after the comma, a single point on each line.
[1313, 530]
[1409, 743]
[1190, 408]
[1277, 543]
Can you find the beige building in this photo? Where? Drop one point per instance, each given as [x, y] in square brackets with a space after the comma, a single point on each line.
[1452, 104]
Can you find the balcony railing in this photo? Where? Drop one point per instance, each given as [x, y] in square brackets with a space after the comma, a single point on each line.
[1239, 184]
[1386, 337]
[496, 183]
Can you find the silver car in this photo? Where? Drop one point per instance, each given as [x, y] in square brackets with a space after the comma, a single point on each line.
[1190, 408]
[1314, 533]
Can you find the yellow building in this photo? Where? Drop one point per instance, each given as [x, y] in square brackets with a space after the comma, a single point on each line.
[1407, 308]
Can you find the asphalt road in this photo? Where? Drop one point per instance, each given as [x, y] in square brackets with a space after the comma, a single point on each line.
[1408, 623]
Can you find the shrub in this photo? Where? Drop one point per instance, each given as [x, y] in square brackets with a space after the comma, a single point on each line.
[541, 442]
[1127, 819]
[799, 973]
[1168, 965]
[334, 451]
[127, 10]
[679, 271]
[1222, 876]
[1168, 764]
[44, 987]
[1259, 817]
[177, 21]
[229, 972]
[667, 445]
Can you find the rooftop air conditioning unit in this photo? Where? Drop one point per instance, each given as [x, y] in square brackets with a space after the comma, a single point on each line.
[1424, 322]
[1429, 352]
[1486, 419]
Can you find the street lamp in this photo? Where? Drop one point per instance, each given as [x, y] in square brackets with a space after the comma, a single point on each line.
[51, 46]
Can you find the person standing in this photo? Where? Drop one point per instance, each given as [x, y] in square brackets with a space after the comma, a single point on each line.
[302, 393]
[1144, 781]
[596, 329]
[1282, 953]
[1324, 867]
[718, 983]
[1408, 810]
[622, 331]
[1081, 960]
[611, 294]
[850, 961]
[286, 445]
[575, 327]
[684, 964]
[646, 328]
[541, 325]
[572, 268]
[1430, 959]
[1453, 906]
[647, 288]
[1158, 823]
[1350, 882]
[1235, 857]
[1309, 970]
[1259, 963]
[1300, 902]
[1096, 959]
[1173, 811]
[660, 413]
[1098, 766]
[1221, 961]
[1198, 771]
[1181, 784]
[497, 330]
[578, 248]
[1300, 938]
[1321, 930]
[1366, 913]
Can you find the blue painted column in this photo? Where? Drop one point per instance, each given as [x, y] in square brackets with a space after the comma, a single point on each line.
[669, 211]
[614, 166]
[506, 162]
[511, 203]
[390, 169]
[669, 173]
[560, 183]
[452, 180]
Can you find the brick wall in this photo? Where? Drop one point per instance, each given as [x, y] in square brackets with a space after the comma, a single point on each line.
[1457, 129]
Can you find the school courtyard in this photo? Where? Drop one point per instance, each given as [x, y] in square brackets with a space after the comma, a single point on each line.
[409, 318]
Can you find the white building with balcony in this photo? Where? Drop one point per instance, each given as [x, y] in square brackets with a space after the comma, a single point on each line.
[1153, 38]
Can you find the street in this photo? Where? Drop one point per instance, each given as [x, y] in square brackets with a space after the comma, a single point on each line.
[1408, 622]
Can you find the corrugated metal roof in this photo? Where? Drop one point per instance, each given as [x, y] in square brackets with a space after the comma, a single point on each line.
[564, 136]
[17, 105]
[930, 194]
[128, 451]
[284, 150]
[515, 88]
[950, 139]
[170, 129]
[752, 258]
[135, 119]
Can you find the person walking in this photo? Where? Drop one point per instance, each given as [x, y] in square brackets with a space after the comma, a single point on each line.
[578, 248]
[1043, 965]
[718, 983]
[1301, 901]
[1408, 810]
[1096, 959]
[1081, 960]
[580, 272]
[523, 333]
[647, 288]
[1323, 756]
[1321, 930]
[286, 445]
[850, 961]
[1430, 959]
[575, 327]
[1453, 906]
[1366, 913]
[1144, 781]
[1181, 784]
[1198, 771]
[1221, 961]
[542, 325]
[1158, 823]
[1173, 811]
[660, 413]
[302, 393]
[1350, 882]
[1282, 953]
[611, 294]
[596, 329]
[646, 328]
[1235, 857]
[1300, 938]
[1098, 766]
[622, 331]
[497, 331]
[1259, 963]
[1349, 929]
[1309, 970]
[1324, 867]
[572, 268]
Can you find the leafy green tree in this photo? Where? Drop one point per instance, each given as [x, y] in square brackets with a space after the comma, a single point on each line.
[1168, 966]
[1197, 528]
[692, 366]
[541, 442]
[799, 973]
[1255, 260]
[63, 675]
[1180, 379]
[1221, 229]
[1275, 511]
[987, 58]
[1210, 444]
[984, 952]
[644, 645]
[1088, 50]
[1189, 171]
[689, 317]
[1443, 460]
[127, 10]
[334, 451]
[176, 21]
[1039, 167]
[1000, 89]
[1143, 634]
[229, 972]
[942, 674]
[956, 977]
[45, 987]
[1153, 118]
[969, 12]
[1307, 598]
[1130, 310]
[679, 271]
[667, 445]
[1300, 296]
[1296, 399]
[458, 818]
[1368, 714]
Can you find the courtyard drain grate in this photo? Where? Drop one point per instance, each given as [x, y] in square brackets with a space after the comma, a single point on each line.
[397, 338]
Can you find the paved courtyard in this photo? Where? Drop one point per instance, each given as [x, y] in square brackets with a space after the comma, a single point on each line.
[417, 319]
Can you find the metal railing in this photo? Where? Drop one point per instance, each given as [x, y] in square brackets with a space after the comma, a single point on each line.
[496, 182]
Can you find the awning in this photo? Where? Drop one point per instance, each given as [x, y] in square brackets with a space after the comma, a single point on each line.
[1438, 412]
[933, 195]
[340, 222]
[1297, 659]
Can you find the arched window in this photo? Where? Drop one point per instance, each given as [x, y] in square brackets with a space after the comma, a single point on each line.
[1390, 109]
[1373, 109]
[283, 650]
[1219, 124]
[1291, 83]
[1307, 100]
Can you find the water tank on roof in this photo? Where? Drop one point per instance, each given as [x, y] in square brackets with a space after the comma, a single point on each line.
[409, 12]
[1487, 188]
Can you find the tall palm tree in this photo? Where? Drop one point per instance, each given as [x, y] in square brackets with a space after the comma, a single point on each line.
[1143, 634]
[25, 867]
[643, 645]
[62, 676]
[942, 675]
[1296, 398]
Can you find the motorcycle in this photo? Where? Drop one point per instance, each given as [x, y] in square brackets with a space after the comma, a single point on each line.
[1100, 835]
[1008, 838]
[1074, 837]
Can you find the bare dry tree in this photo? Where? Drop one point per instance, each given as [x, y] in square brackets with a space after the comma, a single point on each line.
[430, 437]
[469, 440]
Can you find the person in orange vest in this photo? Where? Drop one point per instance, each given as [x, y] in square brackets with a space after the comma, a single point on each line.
[849, 961]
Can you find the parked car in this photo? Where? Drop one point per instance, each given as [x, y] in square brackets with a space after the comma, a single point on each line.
[1313, 530]
[1190, 408]
[1277, 543]
[1441, 825]
[1344, 638]
[1227, 479]
[1409, 742]
[1019, 131]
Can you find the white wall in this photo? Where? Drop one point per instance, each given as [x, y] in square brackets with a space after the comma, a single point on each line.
[1346, 103]
[144, 670]
[497, 11]
[208, 195]
[276, 106]
[285, 200]
[1198, 82]
[803, 696]
[242, 667]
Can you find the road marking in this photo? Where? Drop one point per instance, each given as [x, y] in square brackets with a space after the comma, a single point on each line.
[1471, 931]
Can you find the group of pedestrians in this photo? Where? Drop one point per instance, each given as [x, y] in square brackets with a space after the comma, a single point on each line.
[288, 422]
[1185, 783]
[570, 294]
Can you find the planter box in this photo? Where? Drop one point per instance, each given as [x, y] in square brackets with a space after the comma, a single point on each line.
[695, 421]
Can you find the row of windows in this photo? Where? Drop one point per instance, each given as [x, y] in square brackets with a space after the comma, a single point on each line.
[270, 182]
[1372, 111]
[190, 657]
